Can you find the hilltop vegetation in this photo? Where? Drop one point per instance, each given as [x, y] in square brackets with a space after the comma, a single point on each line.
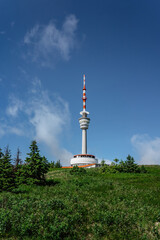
[35, 167]
[87, 205]
[31, 171]
[127, 166]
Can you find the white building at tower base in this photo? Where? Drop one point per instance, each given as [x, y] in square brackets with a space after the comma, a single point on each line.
[84, 159]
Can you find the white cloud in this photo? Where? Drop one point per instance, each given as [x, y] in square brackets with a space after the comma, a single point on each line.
[16, 130]
[45, 117]
[15, 106]
[6, 129]
[49, 119]
[147, 148]
[30, 36]
[47, 43]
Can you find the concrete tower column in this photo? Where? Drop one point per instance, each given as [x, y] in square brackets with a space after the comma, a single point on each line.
[84, 141]
[84, 123]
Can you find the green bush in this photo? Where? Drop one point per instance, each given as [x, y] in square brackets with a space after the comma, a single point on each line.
[52, 165]
[108, 169]
[143, 169]
[77, 171]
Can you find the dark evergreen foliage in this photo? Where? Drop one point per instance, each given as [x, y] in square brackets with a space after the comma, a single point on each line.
[58, 164]
[7, 176]
[53, 165]
[17, 160]
[32, 171]
[35, 166]
[127, 166]
[116, 160]
[143, 169]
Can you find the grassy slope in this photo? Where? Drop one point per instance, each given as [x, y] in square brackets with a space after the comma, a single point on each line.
[92, 206]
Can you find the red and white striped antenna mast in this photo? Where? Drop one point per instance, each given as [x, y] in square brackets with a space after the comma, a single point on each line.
[84, 112]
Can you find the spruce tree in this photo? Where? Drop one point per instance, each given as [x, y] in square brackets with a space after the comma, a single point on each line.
[58, 164]
[36, 166]
[17, 160]
[7, 177]
[19, 169]
[52, 164]
[130, 165]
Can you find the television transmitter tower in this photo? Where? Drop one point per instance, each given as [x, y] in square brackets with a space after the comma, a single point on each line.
[84, 159]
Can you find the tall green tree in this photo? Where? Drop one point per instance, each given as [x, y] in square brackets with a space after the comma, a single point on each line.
[58, 164]
[52, 164]
[7, 176]
[17, 160]
[35, 166]
[19, 169]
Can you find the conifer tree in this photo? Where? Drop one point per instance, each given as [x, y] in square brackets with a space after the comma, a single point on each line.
[58, 164]
[17, 160]
[7, 177]
[130, 165]
[1, 153]
[52, 164]
[36, 166]
[19, 169]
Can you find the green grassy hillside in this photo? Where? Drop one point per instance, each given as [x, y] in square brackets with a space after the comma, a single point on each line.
[87, 206]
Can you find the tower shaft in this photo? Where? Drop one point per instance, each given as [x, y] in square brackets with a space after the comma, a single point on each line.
[84, 141]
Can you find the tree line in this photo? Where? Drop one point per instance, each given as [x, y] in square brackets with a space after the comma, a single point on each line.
[31, 171]
[120, 166]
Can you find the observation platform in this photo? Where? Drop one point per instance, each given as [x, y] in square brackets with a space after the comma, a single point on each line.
[84, 159]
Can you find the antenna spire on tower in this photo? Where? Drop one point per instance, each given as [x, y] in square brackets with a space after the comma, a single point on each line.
[84, 93]
[84, 82]
[84, 97]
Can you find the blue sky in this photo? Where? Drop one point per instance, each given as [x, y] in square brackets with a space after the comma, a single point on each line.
[45, 48]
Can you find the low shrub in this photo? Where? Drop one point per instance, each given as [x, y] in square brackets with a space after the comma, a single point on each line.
[77, 171]
[108, 169]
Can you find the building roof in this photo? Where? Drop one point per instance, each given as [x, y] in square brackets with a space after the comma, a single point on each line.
[83, 166]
